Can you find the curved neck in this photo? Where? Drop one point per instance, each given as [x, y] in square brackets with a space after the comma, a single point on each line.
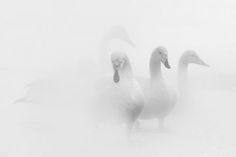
[182, 75]
[155, 68]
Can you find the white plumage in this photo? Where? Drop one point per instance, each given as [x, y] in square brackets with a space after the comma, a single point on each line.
[184, 92]
[159, 98]
[188, 57]
[119, 98]
[63, 88]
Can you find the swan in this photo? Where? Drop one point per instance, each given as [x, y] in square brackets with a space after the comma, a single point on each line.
[61, 87]
[184, 94]
[119, 98]
[158, 97]
[187, 58]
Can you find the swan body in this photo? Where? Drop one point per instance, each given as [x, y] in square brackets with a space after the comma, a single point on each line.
[159, 98]
[119, 98]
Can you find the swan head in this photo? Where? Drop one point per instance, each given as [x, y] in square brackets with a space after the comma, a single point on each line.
[191, 56]
[160, 54]
[119, 32]
[120, 62]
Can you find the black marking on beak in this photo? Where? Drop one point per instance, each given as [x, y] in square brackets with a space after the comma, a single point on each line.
[116, 77]
[116, 66]
[167, 65]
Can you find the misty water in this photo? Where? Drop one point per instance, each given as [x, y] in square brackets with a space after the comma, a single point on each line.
[59, 44]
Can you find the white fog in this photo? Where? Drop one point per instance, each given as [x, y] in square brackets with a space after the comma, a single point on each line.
[53, 52]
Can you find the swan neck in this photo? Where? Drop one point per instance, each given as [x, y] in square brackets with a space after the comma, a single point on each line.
[182, 68]
[155, 68]
[182, 75]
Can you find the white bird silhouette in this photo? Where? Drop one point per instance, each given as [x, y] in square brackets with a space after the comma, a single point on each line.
[119, 98]
[64, 88]
[159, 98]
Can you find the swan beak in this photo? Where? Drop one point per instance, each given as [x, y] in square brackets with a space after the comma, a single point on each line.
[116, 77]
[130, 42]
[116, 67]
[166, 63]
[201, 62]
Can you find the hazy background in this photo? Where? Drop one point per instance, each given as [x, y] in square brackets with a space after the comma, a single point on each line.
[39, 38]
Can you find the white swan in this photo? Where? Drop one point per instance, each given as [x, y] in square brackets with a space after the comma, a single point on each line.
[184, 94]
[187, 58]
[159, 98]
[119, 98]
[62, 87]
